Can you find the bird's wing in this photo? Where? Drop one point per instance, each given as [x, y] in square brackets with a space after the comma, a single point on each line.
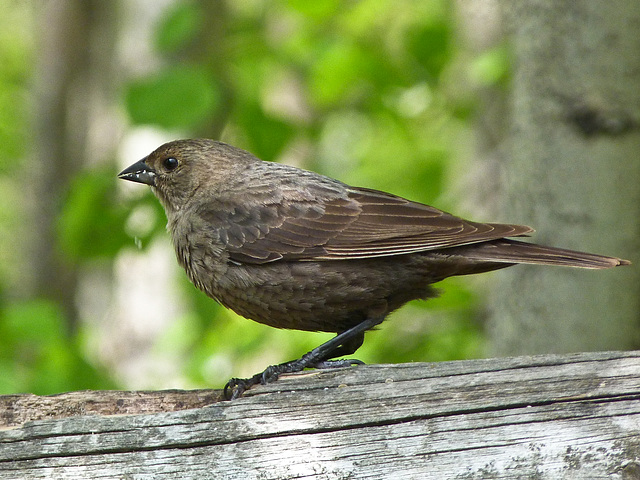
[363, 224]
[391, 225]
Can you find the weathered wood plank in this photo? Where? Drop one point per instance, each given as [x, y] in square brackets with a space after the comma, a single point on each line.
[545, 417]
[18, 409]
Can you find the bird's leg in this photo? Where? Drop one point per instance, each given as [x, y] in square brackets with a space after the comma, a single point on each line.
[346, 348]
[344, 343]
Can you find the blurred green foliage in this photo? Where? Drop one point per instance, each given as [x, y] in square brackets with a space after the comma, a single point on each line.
[356, 90]
[82, 234]
[36, 355]
[15, 71]
[177, 98]
[15, 49]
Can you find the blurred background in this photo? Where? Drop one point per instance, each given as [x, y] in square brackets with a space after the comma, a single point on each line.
[408, 96]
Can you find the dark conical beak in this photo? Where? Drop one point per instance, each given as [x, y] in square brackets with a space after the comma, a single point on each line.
[139, 172]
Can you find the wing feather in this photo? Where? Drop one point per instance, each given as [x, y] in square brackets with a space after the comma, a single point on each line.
[362, 223]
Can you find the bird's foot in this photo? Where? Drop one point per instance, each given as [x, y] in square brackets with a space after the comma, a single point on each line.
[347, 362]
[344, 343]
[236, 387]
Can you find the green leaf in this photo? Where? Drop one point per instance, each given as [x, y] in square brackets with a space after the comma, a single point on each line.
[179, 27]
[91, 223]
[181, 97]
[317, 10]
[339, 73]
[36, 354]
[34, 321]
[266, 135]
[430, 45]
[491, 67]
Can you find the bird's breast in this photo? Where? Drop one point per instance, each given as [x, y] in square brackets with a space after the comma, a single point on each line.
[200, 252]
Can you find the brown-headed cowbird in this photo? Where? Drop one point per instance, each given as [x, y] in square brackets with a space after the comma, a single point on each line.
[294, 249]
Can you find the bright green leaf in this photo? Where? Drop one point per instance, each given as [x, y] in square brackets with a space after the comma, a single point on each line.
[338, 74]
[491, 67]
[318, 10]
[91, 223]
[179, 27]
[181, 97]
[430, 45]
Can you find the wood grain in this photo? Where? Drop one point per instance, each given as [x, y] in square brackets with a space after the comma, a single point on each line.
[544, 417]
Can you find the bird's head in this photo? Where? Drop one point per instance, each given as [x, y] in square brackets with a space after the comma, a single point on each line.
[177, 170]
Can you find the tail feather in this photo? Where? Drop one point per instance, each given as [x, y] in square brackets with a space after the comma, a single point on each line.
[513, 251]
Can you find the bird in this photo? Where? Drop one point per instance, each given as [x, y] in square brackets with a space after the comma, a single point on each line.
[294, 249]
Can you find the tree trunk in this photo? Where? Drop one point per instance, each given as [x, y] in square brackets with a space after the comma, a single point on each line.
[73, 127]
[572, 171]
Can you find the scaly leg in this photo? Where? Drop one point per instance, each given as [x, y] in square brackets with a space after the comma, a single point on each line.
[344, 343]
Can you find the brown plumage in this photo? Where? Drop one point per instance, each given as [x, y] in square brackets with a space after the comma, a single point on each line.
[294, 249]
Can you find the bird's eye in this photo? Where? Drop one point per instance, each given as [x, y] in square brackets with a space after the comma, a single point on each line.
[170, 163]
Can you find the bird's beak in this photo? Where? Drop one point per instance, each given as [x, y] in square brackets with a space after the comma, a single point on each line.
[139, 172]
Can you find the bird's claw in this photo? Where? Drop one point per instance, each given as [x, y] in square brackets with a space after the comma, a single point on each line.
[347, 362]
[236, 387]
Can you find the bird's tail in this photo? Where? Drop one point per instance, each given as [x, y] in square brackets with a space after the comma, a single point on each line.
[514, 251]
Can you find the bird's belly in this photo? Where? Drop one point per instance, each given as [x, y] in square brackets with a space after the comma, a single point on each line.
[319, 296]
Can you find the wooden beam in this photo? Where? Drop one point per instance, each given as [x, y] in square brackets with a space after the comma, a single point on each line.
[544, 417]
